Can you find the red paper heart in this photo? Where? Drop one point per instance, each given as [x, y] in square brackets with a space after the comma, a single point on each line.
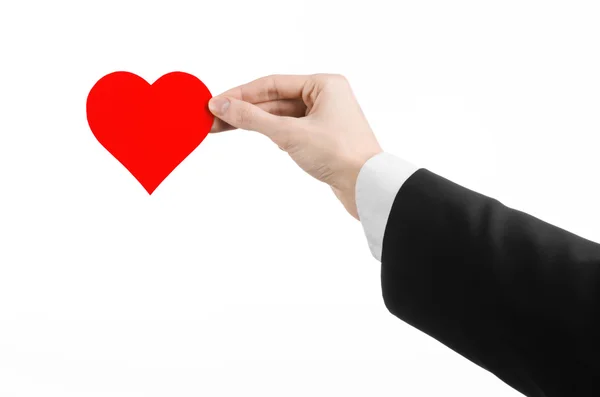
[150, 129]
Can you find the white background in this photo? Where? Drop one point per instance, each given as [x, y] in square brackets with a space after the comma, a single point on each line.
[241, 275]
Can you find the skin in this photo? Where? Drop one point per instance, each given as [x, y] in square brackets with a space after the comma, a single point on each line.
[316, 119]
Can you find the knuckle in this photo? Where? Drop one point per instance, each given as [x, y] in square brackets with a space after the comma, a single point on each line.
[340, 78]
[269, 86]
[278, 108]
[321, 77]
[272, 91]
[330, 77]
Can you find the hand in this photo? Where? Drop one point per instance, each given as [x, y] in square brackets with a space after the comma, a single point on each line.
[316, 119]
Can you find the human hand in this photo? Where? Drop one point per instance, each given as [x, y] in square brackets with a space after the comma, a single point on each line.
[316, 119]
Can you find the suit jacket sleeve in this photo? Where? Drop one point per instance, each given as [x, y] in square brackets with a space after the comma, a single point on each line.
[506, 290]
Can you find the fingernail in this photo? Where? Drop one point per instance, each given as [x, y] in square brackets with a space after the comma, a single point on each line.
[218, 105]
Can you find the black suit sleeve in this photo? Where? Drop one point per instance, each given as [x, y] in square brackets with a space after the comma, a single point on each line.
[513, 294]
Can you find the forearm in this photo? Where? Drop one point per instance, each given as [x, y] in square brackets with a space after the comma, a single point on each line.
[496, 285]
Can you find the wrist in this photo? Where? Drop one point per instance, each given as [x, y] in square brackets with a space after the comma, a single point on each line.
[345, 186]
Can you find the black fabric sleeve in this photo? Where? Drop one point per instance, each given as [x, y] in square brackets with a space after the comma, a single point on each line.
[513, 294]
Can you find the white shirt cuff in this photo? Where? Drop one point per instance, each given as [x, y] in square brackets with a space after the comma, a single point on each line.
[377, 185]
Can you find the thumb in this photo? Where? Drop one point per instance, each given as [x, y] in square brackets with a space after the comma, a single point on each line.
[246, 116]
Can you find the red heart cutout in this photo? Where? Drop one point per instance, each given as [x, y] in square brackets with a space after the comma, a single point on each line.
[150, 129]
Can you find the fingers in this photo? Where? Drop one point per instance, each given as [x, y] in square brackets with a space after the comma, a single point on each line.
[282, 107]
[277, 94]
[244, 115]
[220, 126]
[270, 88]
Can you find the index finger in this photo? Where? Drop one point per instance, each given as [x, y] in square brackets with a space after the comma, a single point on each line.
[270, 88]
